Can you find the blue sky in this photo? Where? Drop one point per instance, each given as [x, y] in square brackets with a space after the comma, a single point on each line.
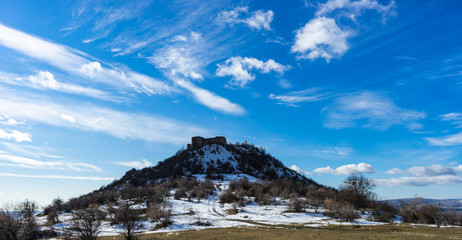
[90, 89]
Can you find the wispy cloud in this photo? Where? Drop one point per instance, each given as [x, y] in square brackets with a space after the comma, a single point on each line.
[7, 120]
[453, 118]
[23, 162]
[46, 81]
[88, 117]
[351, 8]
[379, 112]
[16, 136]
[76, 62]
[177, 61]
[347, 169]
[432, 170]
[448, 140]
[211, 100]
[62, 177]
[135, 164]
[341, 151]
[420, 181]
[31, 151]
[258, 20]
[299, 170]
[292, 98]
[239, 69]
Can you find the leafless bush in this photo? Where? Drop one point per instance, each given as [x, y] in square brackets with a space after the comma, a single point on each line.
[228, 197]
[18, 222]
[340, 210]
[129, 219]
[296, 205]
[384, 212]
[161, 213]
[86, 223]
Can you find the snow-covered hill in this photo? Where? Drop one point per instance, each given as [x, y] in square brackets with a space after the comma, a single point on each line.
[213, 160]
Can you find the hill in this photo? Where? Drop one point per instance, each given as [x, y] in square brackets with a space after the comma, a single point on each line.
[213, 160]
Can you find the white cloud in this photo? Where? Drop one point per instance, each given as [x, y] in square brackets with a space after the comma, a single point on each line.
[292, 98]
[7, 120]
[89, 117]
[57, 177]
[258, 19]
[421, 181]
[135, 164]
[22, 162]
[352, 8]
[76, 62]
[239, 68]
[177, 60]
[212, 100]
[68, 117]
[299, 170]
[432, 170]
[321, 38]
[347, 169]
[44, 79]
[448, 140]
[370, 110]
[453, 118]
[16, 136]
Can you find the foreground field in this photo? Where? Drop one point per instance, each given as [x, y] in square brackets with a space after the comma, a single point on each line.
[407, 232]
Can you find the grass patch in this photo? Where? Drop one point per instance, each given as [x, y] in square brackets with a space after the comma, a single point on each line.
[406, 232]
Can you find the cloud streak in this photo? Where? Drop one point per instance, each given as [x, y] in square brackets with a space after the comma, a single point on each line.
[77, 63]
[135, 164]
[22, 162]
[88, 117]
[292, 98]
[370, 110]
[61, 177]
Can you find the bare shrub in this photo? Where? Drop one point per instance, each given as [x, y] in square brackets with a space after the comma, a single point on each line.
[340, 210]
[18, 222]
[161, 213]
[296, 205]
[228, 197]
[384, 212]
[86, 223]
[129, 219]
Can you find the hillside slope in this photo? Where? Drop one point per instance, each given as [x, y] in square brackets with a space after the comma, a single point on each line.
[213, 160]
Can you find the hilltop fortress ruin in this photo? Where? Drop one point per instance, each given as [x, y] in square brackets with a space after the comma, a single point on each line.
[198, 142]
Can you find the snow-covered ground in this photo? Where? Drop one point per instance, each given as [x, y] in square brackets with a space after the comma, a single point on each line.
[215, 215]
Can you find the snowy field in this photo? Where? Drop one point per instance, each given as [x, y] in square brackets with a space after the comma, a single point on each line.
[212, 214]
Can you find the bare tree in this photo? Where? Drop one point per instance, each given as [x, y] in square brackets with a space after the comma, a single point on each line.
[87, 223]
[17, 223]
[129, 219]
[357, 190]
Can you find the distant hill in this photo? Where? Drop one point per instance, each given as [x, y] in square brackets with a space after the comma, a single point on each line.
[450, 204]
